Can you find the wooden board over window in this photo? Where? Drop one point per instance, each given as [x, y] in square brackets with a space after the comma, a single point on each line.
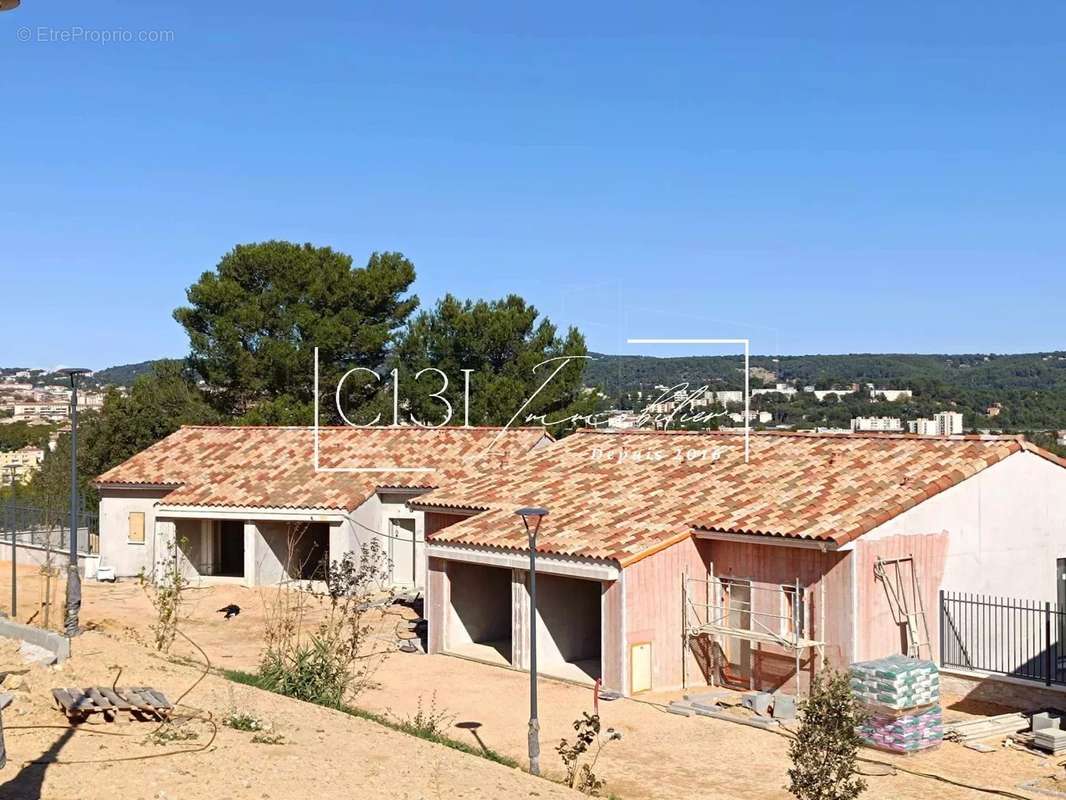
[137, 527]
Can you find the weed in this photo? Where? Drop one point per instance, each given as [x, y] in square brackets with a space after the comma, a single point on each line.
[268, 738]
[330, 663]
[426, 723]
[242, 721]
[168, 734]
[582, 776]
[165, 594]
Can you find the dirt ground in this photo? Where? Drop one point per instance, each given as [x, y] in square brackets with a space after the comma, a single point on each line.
[661, 755]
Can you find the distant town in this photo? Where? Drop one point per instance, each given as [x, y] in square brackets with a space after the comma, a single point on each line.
[35, 411]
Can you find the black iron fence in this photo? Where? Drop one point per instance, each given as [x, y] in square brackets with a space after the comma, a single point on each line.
[47, 529]
[1003, 635]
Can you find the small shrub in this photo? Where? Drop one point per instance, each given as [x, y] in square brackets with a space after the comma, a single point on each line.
[268, 738]
[580, 771]
[426, 723]
[168, 734]
[165, 594]
[331, 663]
[242, 721]
[826, 744]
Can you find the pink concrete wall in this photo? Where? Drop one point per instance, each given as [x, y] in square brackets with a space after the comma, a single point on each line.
[769, 567]
[438, 601]
[878, 635]
[653, 608]
[614, 656]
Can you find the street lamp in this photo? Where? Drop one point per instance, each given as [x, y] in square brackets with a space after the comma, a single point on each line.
[531, 518]
[12, 471]
[73, 579]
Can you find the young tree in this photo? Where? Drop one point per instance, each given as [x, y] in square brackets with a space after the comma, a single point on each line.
[503, 342]
[826, 744]
[253, 324]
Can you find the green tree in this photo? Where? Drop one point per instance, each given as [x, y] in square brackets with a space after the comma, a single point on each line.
[511, 352]
[253, 324]
[16, 435]
[826, 745]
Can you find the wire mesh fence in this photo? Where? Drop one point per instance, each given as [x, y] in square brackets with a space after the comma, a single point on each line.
[34, 549]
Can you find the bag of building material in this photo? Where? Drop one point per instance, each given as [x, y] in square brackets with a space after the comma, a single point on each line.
[906, 733]
[896, 682]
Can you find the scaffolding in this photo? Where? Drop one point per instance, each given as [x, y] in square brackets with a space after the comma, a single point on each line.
[741, 610]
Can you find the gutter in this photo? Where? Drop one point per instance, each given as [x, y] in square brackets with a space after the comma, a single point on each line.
[821, 545]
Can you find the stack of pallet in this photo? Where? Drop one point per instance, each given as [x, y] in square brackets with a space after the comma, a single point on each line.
[901, 697]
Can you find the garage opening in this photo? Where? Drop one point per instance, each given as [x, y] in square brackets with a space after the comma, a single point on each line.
[479, 621]
[310, 551]
[229, 555]
[569, 627]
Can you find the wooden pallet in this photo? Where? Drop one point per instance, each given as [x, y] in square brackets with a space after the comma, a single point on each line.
[141, 702]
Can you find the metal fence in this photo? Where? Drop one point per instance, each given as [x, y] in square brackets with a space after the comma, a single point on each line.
[47, 529]
[1003, 635]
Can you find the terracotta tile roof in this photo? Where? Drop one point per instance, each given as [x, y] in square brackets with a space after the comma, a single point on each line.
[610, 497]
[267, 467]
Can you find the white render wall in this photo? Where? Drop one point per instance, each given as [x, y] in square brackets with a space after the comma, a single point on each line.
[1006, 526]
[371, 521]
[116, 551]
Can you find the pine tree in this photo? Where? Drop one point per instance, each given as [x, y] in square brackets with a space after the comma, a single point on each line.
[826, 745]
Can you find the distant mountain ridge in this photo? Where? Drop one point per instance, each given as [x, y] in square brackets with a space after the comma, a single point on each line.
[1046, 371]
[622, 372]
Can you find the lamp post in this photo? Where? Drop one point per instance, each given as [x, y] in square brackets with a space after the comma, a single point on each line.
[531, 518]
[12, 521]
[73, 579]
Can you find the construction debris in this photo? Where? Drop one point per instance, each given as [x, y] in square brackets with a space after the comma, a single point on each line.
[141, 702]
[972, 730]
[784, 706]
[1050, 740]
[759, 702]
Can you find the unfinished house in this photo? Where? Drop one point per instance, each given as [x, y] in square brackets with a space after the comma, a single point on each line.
[666, 560]
[246, 504]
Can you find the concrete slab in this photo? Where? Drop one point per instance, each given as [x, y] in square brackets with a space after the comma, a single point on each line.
[58, 645]
[784, 706]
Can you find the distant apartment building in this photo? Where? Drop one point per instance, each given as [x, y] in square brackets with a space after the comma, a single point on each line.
[821, 394]
[882, 424]
[993, 410]
[891, 395]
[36, 412]
[946, 423]
[922, 427]
[729, 396]
[20, 463]
[780, 388]
[762, 417]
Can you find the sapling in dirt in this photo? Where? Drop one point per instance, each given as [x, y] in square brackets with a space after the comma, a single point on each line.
[824, 751]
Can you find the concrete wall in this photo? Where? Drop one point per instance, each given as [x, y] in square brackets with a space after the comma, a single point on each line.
[371, 521]
[480, 607]
[653, 609]
[997, 533]
[116, 551]
[568, 618]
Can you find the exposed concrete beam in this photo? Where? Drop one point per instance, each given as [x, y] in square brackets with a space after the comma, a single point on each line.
[554, 565]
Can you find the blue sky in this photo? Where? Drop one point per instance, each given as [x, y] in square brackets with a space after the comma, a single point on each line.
[818, 177]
